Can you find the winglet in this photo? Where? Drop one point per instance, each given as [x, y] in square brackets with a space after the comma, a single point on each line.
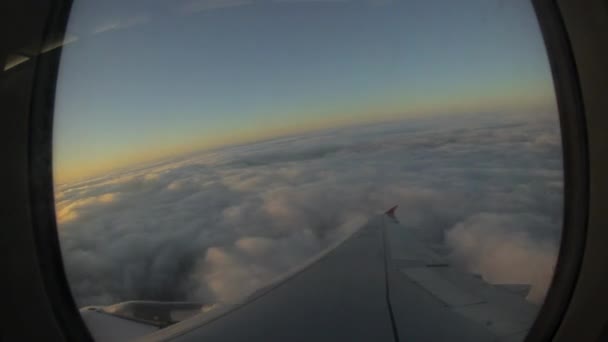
[391, 212]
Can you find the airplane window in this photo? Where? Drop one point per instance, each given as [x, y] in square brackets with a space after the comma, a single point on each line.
[227, 161]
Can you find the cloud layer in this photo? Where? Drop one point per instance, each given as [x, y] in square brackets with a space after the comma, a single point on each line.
[217, 225]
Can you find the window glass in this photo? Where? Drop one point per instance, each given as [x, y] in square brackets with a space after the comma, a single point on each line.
[203, 148]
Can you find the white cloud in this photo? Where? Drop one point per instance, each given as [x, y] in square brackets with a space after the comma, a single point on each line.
[69, 210]
[122, 23]
[215, 226]
[501, 248]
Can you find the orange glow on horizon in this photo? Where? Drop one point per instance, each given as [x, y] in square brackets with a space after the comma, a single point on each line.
[78, 170]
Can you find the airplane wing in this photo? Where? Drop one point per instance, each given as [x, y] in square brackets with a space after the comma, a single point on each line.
[382, 283]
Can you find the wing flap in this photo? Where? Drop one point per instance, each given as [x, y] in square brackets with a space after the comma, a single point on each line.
[442, 289]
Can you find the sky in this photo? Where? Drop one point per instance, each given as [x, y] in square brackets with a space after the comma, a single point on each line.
[143, 80]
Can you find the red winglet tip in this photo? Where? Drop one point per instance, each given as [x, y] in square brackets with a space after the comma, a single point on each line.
[391, 211]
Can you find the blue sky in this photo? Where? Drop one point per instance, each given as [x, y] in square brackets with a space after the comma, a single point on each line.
[147, 79]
